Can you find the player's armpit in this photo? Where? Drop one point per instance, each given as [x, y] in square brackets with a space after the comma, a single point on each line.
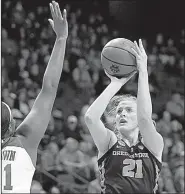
[100, 134]
[35, 124]
[151, 138]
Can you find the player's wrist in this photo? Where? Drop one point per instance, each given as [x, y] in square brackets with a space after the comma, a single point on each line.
[61, 38]
[143, 70]
[117, 83]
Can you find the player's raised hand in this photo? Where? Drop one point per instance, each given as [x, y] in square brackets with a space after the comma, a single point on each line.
[123, 80]
[141, 56]
[59, 20]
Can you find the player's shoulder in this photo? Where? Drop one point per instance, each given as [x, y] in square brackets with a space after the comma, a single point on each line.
[142, 146]
[13, 141]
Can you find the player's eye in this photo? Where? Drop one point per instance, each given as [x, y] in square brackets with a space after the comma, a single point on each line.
[119, 111]
[128, 109]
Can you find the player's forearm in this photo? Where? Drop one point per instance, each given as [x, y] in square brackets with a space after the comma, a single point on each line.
[98, 107]
[55, 65]
[144, 104]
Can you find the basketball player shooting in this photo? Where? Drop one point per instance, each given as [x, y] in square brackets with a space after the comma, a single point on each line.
[19, 146]
[129, 155]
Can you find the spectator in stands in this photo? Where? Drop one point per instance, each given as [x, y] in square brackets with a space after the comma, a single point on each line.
[94, 185]
[70, 158]
[176, 126]
[171, 49]
[22, 100]
[159, 42]
[48, 157]
[71, 129]
[48, 163]
[167, 178]
[179, 174]
[177, 145]
[176, 106]
[58, 121]
[81, 76]
[163, 125]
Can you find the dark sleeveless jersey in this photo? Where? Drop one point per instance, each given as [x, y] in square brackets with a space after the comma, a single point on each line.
[125, 169]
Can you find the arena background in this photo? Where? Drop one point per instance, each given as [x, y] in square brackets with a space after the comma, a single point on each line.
[27, 40]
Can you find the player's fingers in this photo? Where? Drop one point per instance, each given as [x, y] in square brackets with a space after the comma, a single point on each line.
[59, 12]
[65, 14]
[141, 46]
[55, 8]
[135, 52]
[137, 48]
[52, 10]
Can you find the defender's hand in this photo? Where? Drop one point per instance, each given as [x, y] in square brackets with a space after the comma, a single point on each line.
[123, 80]
[141, 56]
[59, 22]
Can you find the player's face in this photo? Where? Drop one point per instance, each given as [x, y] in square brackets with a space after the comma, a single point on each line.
[126, 116]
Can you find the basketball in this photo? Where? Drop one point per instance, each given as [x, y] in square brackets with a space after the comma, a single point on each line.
[117, 57]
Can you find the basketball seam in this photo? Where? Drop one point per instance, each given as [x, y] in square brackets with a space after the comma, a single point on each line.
[120, 49]
[117, 62]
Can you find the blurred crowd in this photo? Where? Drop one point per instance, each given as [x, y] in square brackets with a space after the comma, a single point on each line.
[67, 157]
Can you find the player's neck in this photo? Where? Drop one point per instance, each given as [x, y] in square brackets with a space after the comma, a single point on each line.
[131, 138]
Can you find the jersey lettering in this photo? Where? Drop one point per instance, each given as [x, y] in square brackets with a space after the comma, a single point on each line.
[8, 155]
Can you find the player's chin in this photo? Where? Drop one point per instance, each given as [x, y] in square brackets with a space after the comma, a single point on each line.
[123, 128]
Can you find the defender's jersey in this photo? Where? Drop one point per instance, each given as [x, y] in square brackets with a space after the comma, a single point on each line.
[17, 168]
[125, 169]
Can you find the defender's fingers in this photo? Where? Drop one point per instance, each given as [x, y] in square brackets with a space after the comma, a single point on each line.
[59, 12]
[55, 8]
[52, 10]
[65, 14]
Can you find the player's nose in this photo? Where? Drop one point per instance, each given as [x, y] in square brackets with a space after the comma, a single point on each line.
[124, 113]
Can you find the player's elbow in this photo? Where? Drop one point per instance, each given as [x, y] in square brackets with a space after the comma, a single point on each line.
[49, 84]
[90, 118]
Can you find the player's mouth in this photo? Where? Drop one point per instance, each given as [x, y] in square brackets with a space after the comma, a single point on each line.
[122, 121]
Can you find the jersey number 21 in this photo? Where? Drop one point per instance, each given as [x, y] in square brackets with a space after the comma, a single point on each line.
[131, 164]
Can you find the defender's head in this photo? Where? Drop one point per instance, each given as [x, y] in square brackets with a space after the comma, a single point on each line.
[7, 121]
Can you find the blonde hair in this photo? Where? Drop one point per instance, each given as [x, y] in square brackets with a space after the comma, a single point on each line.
[112, 106]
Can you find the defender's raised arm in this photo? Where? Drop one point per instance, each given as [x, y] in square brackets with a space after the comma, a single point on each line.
[35, 124]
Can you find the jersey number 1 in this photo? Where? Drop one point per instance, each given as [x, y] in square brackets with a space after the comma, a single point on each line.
[130, 166]
[8, 176]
